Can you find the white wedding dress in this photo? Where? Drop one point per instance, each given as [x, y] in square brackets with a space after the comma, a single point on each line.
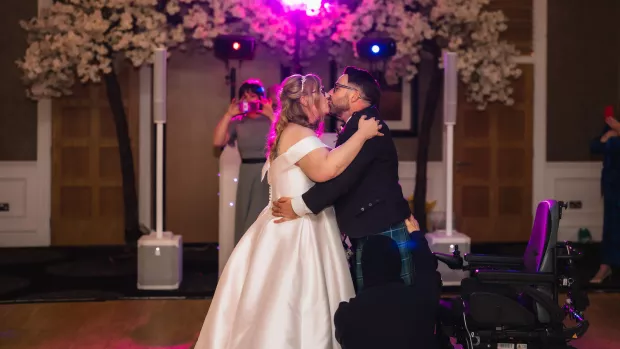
[283, 282]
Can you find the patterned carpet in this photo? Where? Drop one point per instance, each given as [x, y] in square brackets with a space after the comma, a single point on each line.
[109, 273]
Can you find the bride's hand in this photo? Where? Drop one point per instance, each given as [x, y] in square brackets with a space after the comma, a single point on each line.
[369, 127]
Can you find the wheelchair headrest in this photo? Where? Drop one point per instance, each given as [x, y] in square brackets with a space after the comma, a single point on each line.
[538, 256]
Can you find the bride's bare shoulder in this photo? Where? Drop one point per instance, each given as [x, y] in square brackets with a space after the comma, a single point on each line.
[292, 134]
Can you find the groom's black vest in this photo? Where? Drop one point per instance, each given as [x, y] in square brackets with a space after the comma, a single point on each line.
[367, 196]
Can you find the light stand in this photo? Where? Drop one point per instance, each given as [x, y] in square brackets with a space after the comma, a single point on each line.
[286, 71]
[297, 18]
[231, 80]
[445, 241]
[160, 253]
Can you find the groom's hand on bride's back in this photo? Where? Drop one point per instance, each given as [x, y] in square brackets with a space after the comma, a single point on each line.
[283, 208]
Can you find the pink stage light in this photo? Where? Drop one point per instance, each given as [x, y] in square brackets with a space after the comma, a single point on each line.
[311, 7]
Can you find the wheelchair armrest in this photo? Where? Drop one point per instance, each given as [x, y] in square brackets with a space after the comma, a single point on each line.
[454, 262]
[514, 277]
[474, 260]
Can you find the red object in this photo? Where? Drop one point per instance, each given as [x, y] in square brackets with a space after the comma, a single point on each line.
[609, 112]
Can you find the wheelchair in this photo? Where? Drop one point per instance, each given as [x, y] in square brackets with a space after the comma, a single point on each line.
[512, 302]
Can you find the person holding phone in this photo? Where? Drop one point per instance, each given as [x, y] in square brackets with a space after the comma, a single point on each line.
[247, 123]
[608, 144]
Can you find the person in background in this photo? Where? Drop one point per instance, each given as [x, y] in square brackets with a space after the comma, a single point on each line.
[272, 95]
[608, 144]
[387, 313]
[247, 123]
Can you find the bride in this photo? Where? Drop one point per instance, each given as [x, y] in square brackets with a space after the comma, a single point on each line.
[284, 282]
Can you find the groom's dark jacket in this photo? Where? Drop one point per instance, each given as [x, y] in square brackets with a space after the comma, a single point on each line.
[366, 196]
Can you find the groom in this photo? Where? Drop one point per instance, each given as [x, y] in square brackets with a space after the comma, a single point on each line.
[367, 197]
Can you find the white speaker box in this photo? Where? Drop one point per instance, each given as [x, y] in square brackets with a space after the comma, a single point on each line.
[440, 242]
[160, 262]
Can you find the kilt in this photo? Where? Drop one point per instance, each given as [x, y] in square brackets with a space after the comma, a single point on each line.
[400, 234]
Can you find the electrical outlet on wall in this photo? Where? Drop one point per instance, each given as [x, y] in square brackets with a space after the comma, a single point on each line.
[4, 207]
[575, 204]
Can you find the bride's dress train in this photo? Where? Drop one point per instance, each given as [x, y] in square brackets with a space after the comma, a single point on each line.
[283, 282]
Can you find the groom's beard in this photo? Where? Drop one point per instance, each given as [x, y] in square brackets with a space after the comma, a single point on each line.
[338, 109]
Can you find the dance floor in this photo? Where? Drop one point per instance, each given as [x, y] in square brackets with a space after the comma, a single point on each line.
[141, 324]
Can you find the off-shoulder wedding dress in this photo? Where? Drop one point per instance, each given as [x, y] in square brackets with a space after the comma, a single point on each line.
[283, 282]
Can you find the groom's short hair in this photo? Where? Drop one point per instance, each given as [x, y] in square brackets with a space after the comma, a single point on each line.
[366, 83]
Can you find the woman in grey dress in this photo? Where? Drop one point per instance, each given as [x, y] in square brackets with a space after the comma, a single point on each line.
[248, 128]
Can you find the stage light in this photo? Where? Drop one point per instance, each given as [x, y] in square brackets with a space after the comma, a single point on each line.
[234, 47]
[375, 49]
[311, 7]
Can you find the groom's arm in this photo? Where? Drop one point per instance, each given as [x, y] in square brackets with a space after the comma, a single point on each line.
[324, 194]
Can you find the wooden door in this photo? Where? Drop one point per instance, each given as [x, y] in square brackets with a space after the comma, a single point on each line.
[87, 201]
[493, 167]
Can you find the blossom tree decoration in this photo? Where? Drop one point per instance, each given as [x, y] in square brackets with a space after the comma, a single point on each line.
[83, 40]
[80, 39]
[486, 64]
[386, 18]
[206, 19]
[262, 19]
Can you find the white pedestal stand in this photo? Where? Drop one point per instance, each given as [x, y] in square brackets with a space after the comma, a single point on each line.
[229, 172]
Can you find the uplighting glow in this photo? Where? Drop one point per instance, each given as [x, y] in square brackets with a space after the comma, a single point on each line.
[311, 7]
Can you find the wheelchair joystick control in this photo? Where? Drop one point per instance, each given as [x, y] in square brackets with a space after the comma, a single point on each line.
[454, 261]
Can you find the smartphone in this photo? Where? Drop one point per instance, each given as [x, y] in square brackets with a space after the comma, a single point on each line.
[247, 107]
[609, 112]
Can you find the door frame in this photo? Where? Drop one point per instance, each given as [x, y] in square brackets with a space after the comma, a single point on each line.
[43, 167]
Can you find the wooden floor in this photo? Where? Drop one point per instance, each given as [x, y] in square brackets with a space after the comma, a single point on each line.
[141, 324]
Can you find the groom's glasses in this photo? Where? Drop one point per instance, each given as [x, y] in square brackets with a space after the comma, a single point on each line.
[337, 86]
[350, 88]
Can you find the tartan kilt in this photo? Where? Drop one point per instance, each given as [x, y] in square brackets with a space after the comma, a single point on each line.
[398, 232]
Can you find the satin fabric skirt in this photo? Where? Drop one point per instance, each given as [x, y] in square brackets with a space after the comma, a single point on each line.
[281, 287]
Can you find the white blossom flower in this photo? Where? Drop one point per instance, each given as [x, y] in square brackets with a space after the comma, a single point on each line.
[486, 64]
[78, 40]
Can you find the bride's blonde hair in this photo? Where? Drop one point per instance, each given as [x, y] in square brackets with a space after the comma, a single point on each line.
[291, 109]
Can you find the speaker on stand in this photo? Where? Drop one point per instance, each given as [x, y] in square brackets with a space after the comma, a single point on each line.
[160, 253]
[444, 241]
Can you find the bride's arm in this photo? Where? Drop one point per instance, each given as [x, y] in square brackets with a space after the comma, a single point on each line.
[321, 165]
